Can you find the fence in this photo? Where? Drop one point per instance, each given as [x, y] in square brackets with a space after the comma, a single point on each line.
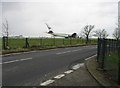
[19, 43]
[108, 57]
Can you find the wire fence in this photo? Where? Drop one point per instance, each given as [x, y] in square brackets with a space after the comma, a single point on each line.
[20, 43]
[108, 57]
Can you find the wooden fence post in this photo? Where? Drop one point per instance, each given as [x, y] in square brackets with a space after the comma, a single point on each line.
[4, 45]
[26, 43]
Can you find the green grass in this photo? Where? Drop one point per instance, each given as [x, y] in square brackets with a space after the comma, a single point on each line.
[112, 65]
[112, 60]
[44, 43]
[16, 43]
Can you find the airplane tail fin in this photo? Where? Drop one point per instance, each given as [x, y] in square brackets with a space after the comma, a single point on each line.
[48, 26]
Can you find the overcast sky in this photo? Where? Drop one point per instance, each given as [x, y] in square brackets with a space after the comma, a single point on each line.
[28, 17]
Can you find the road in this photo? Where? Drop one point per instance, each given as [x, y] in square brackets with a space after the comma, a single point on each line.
[32, 68]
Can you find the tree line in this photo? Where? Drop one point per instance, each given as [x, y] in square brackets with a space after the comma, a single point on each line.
[100, 33]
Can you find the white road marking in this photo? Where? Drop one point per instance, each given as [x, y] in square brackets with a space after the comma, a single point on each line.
[82, 64]
[16, 60]
[47, 82]
[59, 76]
[68, 72]
[68, 51]
[63, 52]
[76, 50]
[75, 67]
[91, 57]
[10, 61]
[7, 55]
[25, 59]
[11, 54]
[59, 53]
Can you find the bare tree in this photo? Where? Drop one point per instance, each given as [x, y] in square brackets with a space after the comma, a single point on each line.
[5, 28]
[5, 32]
[116, 34]
[86, 32]
[101, 33]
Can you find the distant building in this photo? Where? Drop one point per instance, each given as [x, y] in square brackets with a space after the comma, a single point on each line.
[18, 36]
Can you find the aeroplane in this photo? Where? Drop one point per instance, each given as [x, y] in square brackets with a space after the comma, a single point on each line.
[74, 35]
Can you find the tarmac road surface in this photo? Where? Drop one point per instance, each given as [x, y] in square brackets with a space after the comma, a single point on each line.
[31, 68]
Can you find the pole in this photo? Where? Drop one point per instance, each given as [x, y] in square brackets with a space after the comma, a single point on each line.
[26, 43]
[119, 62]
[4, 46]
[98, 49]
[103, 52]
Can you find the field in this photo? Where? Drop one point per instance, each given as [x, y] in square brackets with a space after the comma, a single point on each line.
[18, 44]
